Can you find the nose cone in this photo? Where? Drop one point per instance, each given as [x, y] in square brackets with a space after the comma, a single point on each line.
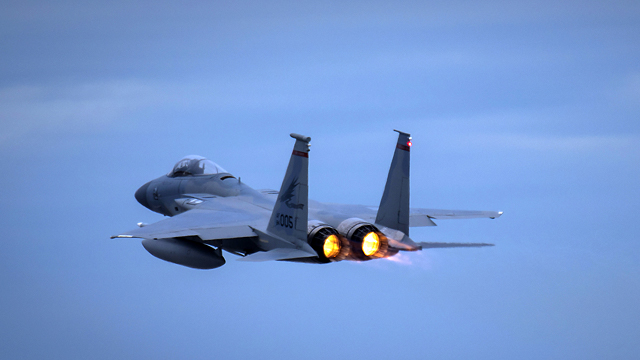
[141, 195]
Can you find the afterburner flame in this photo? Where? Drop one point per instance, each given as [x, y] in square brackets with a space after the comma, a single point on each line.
[331, 246]
[370, 244]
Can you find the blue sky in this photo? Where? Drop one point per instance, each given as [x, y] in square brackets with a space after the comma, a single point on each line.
[528, 108]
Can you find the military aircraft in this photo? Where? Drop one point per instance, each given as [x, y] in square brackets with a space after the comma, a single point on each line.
[211, 210]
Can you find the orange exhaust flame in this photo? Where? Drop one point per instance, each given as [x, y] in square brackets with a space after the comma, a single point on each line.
[331, 247]
[370, 244]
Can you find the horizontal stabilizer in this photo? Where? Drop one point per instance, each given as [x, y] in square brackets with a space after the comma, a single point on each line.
[277, 254]
[398, 245]
[435, 245]
[417, 215]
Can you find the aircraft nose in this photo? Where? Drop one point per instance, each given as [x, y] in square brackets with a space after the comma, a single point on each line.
[141, 195]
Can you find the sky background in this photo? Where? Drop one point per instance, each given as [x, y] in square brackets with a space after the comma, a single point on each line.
[531, 108]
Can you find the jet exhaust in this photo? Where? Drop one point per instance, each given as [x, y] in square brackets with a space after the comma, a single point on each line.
[365, 240]
[327, 242]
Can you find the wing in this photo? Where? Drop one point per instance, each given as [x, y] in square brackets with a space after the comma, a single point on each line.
[417, 216]
[422, 217]
[455, 214]
[213, 219]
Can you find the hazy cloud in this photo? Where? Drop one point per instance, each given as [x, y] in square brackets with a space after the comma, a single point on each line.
[560, 144]
[28, 110]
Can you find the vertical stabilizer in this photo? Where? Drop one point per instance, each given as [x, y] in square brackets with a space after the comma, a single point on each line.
[290, 212]
[394, 206]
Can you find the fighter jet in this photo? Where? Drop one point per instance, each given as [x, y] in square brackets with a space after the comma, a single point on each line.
[211, 210]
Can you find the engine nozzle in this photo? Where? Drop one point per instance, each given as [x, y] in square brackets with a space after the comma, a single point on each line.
[366, 241]
[327, 242]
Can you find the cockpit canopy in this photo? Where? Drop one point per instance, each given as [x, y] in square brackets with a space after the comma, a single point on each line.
[195, 165]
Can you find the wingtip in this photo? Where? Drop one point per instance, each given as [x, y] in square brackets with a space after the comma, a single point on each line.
[303, 138]
[122, 236]
[402, 132]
